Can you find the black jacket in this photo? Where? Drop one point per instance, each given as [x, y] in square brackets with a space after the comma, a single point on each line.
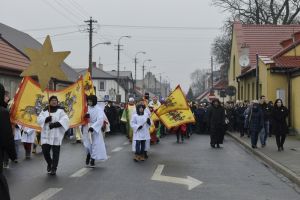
[279, 125]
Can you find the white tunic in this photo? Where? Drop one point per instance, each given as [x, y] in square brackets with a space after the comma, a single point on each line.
[97, 148]
[55, 135]
[28, 134]
[137, 121]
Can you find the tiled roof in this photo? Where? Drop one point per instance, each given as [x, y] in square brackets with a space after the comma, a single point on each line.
[21, 41]
[222, 84]
[263, 39]
[11, 58]
[287, 62]
[124, 74]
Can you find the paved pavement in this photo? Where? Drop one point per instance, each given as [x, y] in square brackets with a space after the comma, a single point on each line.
[286, 162]
[229, 173]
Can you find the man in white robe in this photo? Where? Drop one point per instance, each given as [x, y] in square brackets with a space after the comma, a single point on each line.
[92, 134]
[54, 123]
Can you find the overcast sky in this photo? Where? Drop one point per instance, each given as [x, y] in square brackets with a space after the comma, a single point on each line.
[175, 52]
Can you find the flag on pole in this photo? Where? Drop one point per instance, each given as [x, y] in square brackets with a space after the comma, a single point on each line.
[177, 118]
[30, 101]
[88, 84]
[175, 101]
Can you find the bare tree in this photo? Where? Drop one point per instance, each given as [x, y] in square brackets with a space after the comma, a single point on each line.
[262, 11]
[198, 81]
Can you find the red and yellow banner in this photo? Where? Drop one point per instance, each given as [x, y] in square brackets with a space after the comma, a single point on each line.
[175, 101]
[30, 101]
[177, 118]
[88, 84]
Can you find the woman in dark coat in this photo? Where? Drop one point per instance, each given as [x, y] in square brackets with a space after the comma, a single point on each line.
[255, 121]
[279, 125]
[6, 143]
[216, 121]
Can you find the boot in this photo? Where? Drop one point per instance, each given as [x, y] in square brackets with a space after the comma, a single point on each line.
[53, 171]
[136, 158]
[88, 158]
[48, 169]
[92, 163]
[142, 158]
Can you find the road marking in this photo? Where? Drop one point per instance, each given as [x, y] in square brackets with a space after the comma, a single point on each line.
[81, 172]
[126, 143]
[117, 149]
[47, 194]
[189, 181]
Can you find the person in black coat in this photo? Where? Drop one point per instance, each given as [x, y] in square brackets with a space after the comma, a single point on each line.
[279, 125]
[6, 143]
[216, 121]
[255, 121]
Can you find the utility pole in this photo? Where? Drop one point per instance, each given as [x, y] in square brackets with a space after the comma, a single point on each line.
[143, 79]
[257, 76]
[90, 23]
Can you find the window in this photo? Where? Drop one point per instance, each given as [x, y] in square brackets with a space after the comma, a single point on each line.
[253, 91]
[102, 85]
[248, 92]
[242, 93]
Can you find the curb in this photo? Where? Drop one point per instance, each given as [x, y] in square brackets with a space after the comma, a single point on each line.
[277, 166]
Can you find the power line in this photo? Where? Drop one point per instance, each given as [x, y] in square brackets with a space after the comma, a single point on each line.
[61, 13]
[72, 3]
[161, 27]
[50, 28]
[80, 7]
[68, 9]
[59, 34]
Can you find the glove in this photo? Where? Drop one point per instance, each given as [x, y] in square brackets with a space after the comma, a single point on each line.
[87, 116]
[148, 122]
[91, 129]
[140, 127]
[16, 126]
[51, 126]
[48, 119]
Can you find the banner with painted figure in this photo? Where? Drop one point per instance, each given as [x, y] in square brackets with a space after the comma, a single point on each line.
[154, 119]
[177, 118]
[30, 101]
[88, 84]
[175, 101]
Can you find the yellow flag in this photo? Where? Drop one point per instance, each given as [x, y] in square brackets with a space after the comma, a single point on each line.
[30, 101]
[177, 118]
[88, 84]
[175, 101]
[154, 118]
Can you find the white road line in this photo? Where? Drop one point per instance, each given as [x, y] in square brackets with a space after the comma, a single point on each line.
[125, 143]
[117, 149]
[80, 172]
[47, 194]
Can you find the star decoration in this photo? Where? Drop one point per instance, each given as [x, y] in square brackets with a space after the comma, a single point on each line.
[45, 64]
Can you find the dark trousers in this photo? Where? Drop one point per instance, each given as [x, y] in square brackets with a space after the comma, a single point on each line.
[4, 191]
[53, 162]
[280, 140]
[27, 147]
[254, 137]
[140, 147]
[178, 134]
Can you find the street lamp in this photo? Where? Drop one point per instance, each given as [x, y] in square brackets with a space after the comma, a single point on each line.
[135, 62]
[148, 60]
[90, 66]
[118, 73]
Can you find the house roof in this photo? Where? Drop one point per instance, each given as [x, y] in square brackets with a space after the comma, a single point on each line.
[124, 74]
[21, 41]
[96, 73]
[11, 58]
[221, 84]
[263, 39]
[287, 62]
[201, 96]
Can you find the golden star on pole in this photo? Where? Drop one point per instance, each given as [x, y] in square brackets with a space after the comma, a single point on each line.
[45, 64]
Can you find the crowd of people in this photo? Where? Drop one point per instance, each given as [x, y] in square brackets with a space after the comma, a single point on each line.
[256, 119]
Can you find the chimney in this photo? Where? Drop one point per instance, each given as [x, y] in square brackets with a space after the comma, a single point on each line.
[94, 64]
[100, 66]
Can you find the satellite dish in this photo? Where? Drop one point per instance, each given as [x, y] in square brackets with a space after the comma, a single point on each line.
[244, 60]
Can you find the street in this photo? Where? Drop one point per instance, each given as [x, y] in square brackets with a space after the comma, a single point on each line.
[227, 173]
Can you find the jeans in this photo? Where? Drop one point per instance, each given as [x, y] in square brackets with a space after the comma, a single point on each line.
[254, 138]
[264, 133]
[140, 147]
[17, 143]
[53, 162]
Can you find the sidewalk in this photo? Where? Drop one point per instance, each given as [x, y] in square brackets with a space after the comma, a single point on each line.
[286, 162]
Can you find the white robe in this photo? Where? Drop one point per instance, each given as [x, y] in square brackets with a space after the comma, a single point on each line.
[18, 134]
[142, 134]
[28, 135]
[97, 148]
[55, 135]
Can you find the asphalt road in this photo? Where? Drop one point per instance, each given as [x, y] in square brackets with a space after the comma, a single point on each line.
[229, 173]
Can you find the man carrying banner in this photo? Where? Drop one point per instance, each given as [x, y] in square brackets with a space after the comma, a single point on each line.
[93, 132]
[54, 123]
